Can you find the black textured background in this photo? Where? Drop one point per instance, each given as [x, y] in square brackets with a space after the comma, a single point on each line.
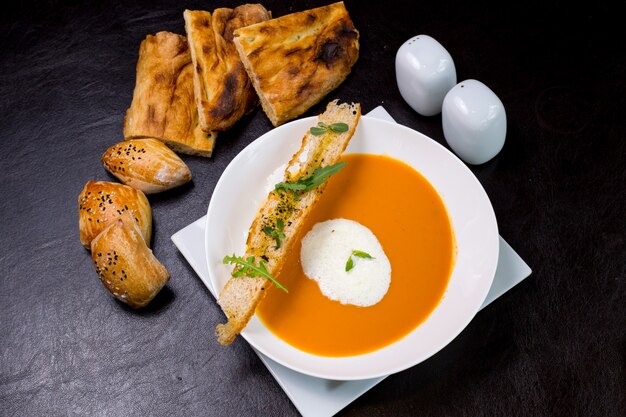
[553, 346]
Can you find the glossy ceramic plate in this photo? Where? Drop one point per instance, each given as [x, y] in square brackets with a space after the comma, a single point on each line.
[248, 178]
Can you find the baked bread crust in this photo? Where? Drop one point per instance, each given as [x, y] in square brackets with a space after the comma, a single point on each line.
[223, 91]
[146, 164]
[295, 60]
[163, 105]
[125, 264]
[100, 203]
[240, 296]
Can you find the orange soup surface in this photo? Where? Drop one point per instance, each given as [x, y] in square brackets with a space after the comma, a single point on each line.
[410, 221]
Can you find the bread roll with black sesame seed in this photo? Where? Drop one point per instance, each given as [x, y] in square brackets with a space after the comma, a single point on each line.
[101, 202]
[125, 264]
[146, 164]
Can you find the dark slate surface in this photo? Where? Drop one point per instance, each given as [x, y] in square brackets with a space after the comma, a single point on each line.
[554, 345]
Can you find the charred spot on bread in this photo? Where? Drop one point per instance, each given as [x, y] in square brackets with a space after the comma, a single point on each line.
[293, 51]
[329, 53]
[293, 71]
[303, 89]
[160, 77]
[226, 103]
[256, 52]
[346, 30]
[151, 114]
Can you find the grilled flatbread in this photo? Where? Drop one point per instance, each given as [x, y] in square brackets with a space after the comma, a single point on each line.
[163, 105]
[241, 295]
[222, 89]
[297, 59]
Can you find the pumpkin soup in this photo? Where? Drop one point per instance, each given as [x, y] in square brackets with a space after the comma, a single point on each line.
[409, 219]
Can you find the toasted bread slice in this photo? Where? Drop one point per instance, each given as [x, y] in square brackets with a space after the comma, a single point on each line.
[163, 105]
[223, 90]
[297, 59]
[240, 297]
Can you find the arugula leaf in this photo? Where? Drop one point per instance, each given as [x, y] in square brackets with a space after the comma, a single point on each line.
[358, 254]
[318, 177]
[249, 269]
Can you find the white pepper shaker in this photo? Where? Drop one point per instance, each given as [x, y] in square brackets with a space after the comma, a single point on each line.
[474, 122]
[425, 72]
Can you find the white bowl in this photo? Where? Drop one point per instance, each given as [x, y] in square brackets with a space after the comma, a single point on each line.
[251, 174]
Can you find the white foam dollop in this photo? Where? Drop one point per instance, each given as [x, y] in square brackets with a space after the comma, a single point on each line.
[325, 250]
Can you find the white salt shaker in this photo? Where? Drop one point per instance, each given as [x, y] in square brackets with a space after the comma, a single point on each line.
[474, 122]
[425, 72]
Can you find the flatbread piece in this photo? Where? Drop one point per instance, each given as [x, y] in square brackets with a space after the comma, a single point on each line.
[295, 60]
[163, 105]
[223, 90]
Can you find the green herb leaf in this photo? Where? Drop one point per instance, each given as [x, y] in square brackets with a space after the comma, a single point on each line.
[322, 128]
[339, 127]
[358, 254]
[277, 233]
[318, 131]
[249, 269]
[306, 183]
[349, 264]
[362, 254]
